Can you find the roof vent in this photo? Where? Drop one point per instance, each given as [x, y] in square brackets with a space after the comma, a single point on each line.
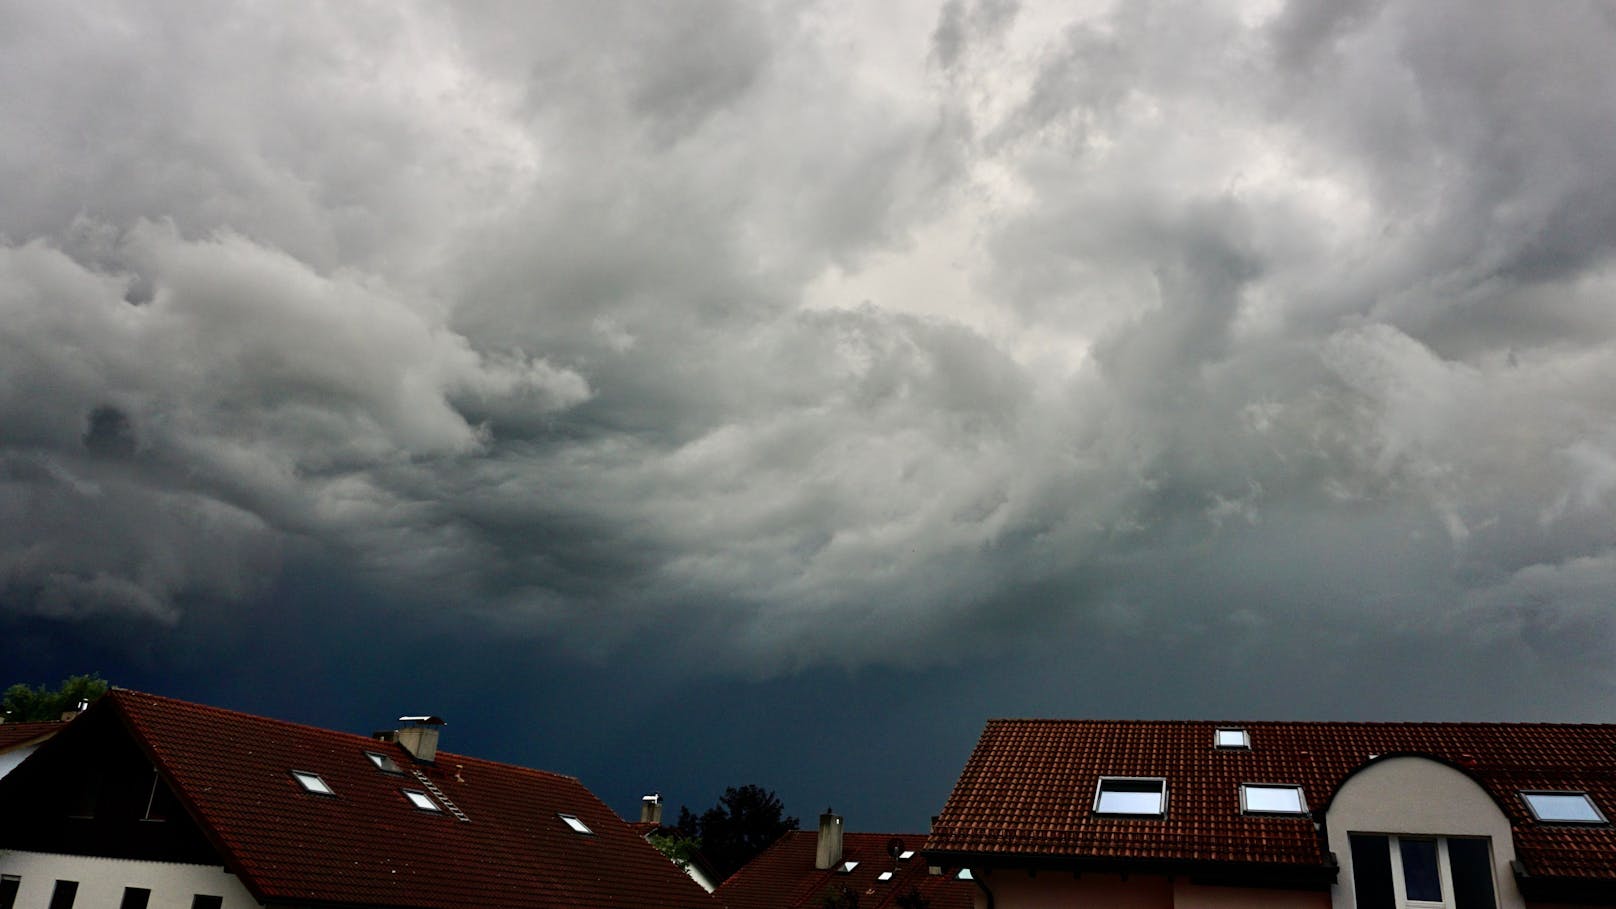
[420, 738]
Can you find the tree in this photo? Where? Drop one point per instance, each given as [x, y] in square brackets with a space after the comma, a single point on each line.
[745, 822]
[677, 846]
[22, 704]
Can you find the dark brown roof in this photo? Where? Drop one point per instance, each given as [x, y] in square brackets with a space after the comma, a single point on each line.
[784, 876]
[15, 734]
[1028, 789]
[367, 845]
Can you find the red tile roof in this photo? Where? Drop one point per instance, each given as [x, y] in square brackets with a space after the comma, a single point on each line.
[1028, 789]
[366, 844]
[784, 876]
[14, 734]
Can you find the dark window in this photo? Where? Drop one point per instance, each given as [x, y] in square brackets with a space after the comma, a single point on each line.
[1371, 871]
[206, 902]
[135, 898]
[1422, 879]
[8, 890]
[62, 897]
[1472, 867]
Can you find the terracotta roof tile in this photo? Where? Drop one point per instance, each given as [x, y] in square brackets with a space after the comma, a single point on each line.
[1028, 788]
[367, 844]
[14, 734]
[784, 876]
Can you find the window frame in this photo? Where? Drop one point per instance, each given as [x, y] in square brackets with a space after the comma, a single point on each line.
[303, 776]
[1301, 800]
[1245, 738]
[1602, 821]
[431, 806]
[1100, 790]
[575, 824]
[384, 763]
[1393, 843]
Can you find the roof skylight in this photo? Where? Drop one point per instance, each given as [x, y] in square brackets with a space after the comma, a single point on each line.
[421, 800]
[1232, 738]
[1271, 798]
[384, 763]
[1131, 796]
[312, 782]
[577, 826]
[1563, 807]
[847, 867]
[884, 876]
[906, 855]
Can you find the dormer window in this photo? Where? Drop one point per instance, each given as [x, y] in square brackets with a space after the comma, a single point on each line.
[1231, 739]
[1271, 798]
[571, 820]
[1131, 796]
[312, 782]
[1563, 808]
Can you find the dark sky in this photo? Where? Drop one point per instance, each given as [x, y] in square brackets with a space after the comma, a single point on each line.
[696, 394]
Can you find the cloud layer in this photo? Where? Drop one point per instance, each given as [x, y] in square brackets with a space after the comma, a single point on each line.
[820, 334]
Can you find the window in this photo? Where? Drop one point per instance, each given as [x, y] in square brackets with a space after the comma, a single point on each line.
[1422, 872]
[906, 855]
[1563, 807]
[1271, 798]
[576, 825]
[64, 894]
[884, 876]
[421, 800]
[847, 867]
[199, 901]
[312, 782]
[135, 898]
[1231, 738]
[384, 763]
[1131, 796]
[8, 890]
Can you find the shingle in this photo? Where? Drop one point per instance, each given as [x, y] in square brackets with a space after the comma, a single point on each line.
[368, 845]
[784, 876]
[1028, 787]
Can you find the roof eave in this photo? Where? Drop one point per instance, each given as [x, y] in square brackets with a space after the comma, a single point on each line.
[1272, 875]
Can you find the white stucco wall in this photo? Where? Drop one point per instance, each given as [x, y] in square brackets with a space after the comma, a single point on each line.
[1058, 890]
[101, 881]
[10, 759]
[1413, 795]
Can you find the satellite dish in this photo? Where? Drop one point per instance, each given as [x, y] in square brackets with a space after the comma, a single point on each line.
[895, 848]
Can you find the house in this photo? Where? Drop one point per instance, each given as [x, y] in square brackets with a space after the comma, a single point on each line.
[18, 740]
[869, 870]
[150, 801]
[1284, 814]
[650, 825]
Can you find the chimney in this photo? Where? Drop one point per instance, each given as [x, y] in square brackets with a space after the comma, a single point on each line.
[830, 841]
[420, 738]
[651, 809]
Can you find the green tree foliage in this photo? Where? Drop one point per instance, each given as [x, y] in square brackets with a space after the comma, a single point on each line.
[23, 704]
[676, 846]
[746, 821]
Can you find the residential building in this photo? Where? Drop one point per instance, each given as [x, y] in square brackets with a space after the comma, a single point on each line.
[150, 801]
[1284, 814]
[804, 868]
[18, 740]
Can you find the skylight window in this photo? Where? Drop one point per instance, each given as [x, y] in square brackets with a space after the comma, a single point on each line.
[420, 800]
[1131, 796]
[384, 763]
[906, 855]
[1271, 798]
[1232, 738]
[312, 782]
[1563, 807]
[577, 826]
[884, 876]
[847, 867]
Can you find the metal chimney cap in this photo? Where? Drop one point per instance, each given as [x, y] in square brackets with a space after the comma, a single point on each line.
[653, 797]
[424, 720]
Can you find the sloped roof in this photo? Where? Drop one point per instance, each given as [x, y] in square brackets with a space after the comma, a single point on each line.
[1028, 788]
[15, 734]
[784, 876]
[367, 844]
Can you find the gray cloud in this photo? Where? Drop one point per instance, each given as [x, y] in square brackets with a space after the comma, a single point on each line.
[825, 336]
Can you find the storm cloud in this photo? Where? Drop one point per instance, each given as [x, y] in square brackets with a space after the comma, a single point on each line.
[807, 335]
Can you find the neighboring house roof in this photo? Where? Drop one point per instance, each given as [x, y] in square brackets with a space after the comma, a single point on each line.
[784, 876]
[14, 735]
[1027, 791]
[366, 844]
